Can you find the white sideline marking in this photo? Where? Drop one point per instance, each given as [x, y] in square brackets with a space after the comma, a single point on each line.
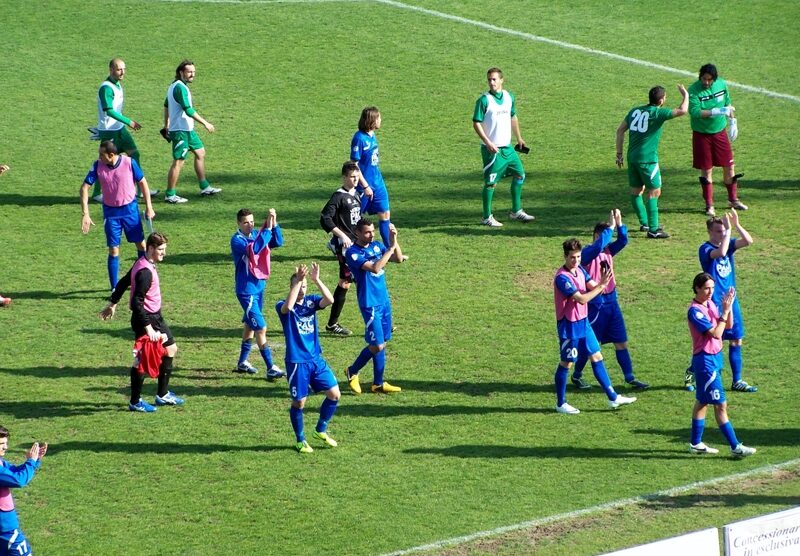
[587, 50]
[594, 509]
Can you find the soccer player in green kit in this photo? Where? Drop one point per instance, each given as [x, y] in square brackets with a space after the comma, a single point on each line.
[709, 105]
[494, 120]
[644, 126]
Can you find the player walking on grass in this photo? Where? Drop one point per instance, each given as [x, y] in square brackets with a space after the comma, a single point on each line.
[110, 120]
[179, 118]
[709, 105]
[494, 120]
[248, 245]
[366, 259]
[304, 362]
[716, 258]
[4, 301]
[644, 126]
[339, 217]
[706, 327]
[118, 177]
[605, 315]
[573, 288]
[147, 321]
[12, 540]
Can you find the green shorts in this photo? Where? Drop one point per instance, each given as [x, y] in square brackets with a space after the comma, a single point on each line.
[122, 139]
[183, 142]
[646, 174]
[504, 163]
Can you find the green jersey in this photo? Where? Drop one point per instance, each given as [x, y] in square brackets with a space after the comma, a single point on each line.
[644, 132]
[716, 96]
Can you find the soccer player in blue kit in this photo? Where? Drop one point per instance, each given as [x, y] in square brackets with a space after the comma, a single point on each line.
[250, 290]
[707, 327]
[366, 259]
[605, 315]
[716, 258]
[573, 288]
[304, 361]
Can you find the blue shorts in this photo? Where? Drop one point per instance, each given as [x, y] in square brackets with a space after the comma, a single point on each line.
[119, 219]
[571, 347]
[378, 203]
[377, 324]
[737, 332]
[708, 378]
[14, 543]
[314, 374]
[252, 304]
[607, 323]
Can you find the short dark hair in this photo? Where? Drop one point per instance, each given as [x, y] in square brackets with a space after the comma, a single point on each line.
[571, 245]
[713, 220]
[242, 213]
[709, 69]
[4, 432]
[701, 279]
[348, 167]
[182, 66]
[498, 71]
[599, 227]
[368, 119]
[363, 223]
[656, 94]
[109, 147]
[156, 239]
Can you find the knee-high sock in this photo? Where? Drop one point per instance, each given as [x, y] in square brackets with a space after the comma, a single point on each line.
[733, 193]
[383, 225]
[729, 434]
[360, 361]
[560, 379]
[639, 210]
[112, 263]
[266, 355]
[652, 212]
[136, 385]
[708, 191]
[339, 297]
[296, 417]
[698, 425]
[164, 373]
[244, 351]
[601, 374]
[516, 194]
[735, 359]
[625, 363]
[488, 193]
[577, 370]
[378, 366]
[326, 411]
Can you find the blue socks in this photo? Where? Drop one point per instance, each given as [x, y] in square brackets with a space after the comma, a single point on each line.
[141, 254]
[625, 363]
[296, 416]
[577, 370]
[600, 373]
[360, 361]
[698, 426]
[378, 366]
[735, 358]
[326, 411]
[244, 352]
[729, 434]
[561, 385]
[266, 354]
[383, 225]
[113, 270]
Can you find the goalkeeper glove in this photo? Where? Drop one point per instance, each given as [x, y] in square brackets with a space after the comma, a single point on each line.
[726, 111]
[733, 129]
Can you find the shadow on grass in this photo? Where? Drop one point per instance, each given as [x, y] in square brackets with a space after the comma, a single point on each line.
[54, 294]
[475, 388]
[50, 409]
[179, 332]
[66, 372]
[750, 436]
[701, 501]
[198, 258]
[383, 410]
[158, 448]
[556, 452]
[36, 200]
[260, 389]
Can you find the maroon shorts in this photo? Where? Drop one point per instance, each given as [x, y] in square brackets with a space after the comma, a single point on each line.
[711, 149]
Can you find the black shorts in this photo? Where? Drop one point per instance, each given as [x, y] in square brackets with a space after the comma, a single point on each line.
[158, 323]
[344, 270]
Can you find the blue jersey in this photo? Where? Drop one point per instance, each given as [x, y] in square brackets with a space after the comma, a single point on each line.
[364, 150]
[566, 328]
[602, 245]
[130, 210]
[14, 476]
[246, 283]
[370, 287]
[300, 329]
[721, 269]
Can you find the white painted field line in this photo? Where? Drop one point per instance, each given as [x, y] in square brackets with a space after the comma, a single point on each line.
[594, 509]
[587, 50]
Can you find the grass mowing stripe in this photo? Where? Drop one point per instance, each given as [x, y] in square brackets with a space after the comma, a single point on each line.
[255, 2]
[594, 509]
[586, 49]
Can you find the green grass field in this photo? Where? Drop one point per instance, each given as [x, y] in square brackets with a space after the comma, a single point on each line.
[472, 443]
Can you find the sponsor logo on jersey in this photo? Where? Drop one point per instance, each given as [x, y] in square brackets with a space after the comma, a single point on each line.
[723, 267]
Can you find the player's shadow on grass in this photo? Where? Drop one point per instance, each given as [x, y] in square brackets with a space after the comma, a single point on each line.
[50, 409]
[475, 388]
[179, 332]
[65, 372]
[158, 448]
[54, 294]
[769, 185]
[197, 258]
[383, 410]
[36, 200]
[751, 436]
[259, 389]
[704, 501]
[539, 452]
